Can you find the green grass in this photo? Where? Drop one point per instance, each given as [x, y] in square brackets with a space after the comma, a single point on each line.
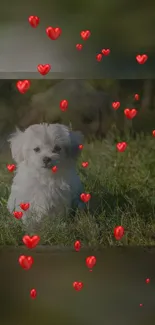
[122, 186]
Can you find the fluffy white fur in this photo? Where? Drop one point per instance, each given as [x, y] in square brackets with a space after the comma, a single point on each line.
[48, 193]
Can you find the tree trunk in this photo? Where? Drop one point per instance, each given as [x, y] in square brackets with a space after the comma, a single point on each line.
[147, 95]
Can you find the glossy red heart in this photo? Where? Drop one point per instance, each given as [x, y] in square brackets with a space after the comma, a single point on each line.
[18, 214]
[85, 197]
[64, 105]
[77, 245]
[31, 241]
[153, 133]
[25, 262]
[136, 97]
[43, 68]
[23, 86]
[147, 280]
[130, 113]
[79, 47]
[90, 261]
[85, 34]
[115, 105]
[99, 57]
[118, 232]
[24, 206]
[54, 169]
[77, 285]
[85, 164]
[106, 52]
[121, 146]
[34, 21]
[33, 293]
[11, 168]
[80, 146]
[53, 32]
[141, 59]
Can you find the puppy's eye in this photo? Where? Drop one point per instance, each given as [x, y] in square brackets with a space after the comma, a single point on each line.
[56, 149]
[37, 149]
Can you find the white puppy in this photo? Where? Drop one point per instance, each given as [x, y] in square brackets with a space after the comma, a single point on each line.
[36, 151]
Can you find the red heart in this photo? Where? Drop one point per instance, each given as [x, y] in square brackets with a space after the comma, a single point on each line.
[85, 164]
[64, 105]
[99, 57]
[153, 133]
[130, 113]
[25, 262]
[54, 169]
[85, 197]
[31, 241]
[141, 59]
[25, 206]
[53, 33]
[119, 232]
[105, 51]
[121, 146]
[115, 105]
[77, 285]
[147, 280]
[18, 214]
[79, 47]
[90, 261]
[23, 86]
[136, 97]
[80, 146]
[34, 21]
[43, 68]
[11, 168]
[77, 245]
[85, 34]
[33, 293]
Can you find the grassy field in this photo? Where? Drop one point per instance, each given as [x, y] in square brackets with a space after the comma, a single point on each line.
[122, 186]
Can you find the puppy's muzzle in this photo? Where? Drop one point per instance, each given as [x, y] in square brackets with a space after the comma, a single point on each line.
[48, 162]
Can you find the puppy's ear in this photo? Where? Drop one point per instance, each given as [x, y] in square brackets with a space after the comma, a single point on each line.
[16, 145]
[76, 138]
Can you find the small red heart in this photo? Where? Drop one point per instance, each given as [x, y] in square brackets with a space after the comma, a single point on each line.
[141, 59]
[77, 285]
[64, 105]
[119, 232]
[121, 146]
[153, 133]
[105, 52]
[77, 245]
[18, 214]
[115, 105]
[136, 97]
[43, 68]
[147, 280]
[24, 206]
[23, 86]
[34, 21]
[33, 293]
[54, 169]
[25, 262]
[80, 146]
[85, 164]
[99, 57]
[53, 32]
[91, 262]
[130, 113]
[85, 197]
[79, 47]
[85, 34]
[11, 168]
[31, 241]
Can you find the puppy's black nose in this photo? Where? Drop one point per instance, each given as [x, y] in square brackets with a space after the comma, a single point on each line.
[47, 160]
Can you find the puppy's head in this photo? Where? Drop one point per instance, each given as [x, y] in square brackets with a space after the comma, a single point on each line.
[46, 145]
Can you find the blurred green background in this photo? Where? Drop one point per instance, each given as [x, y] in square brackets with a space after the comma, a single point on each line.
[90, 105]
[127, 28]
